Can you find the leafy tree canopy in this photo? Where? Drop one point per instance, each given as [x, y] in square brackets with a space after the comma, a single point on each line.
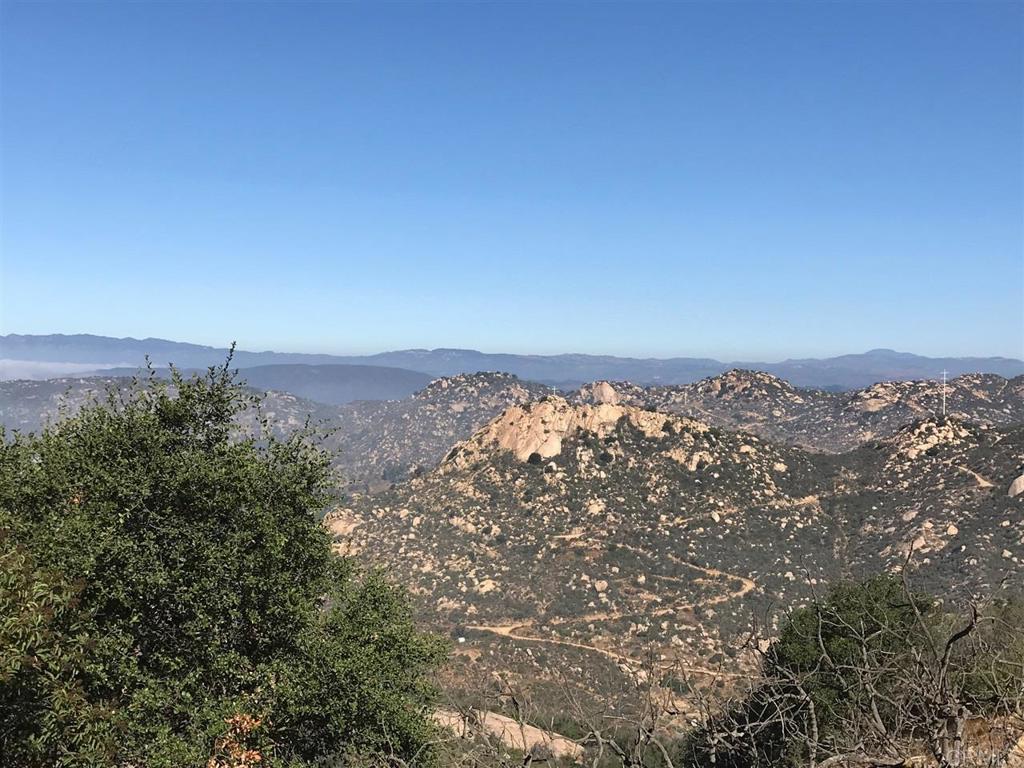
[168, 599]
[872, 672]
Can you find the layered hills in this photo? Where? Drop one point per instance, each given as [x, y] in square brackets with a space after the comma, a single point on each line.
[571, 538]
[337, 384]
[378, 442]
[374, 442]
[565, 543]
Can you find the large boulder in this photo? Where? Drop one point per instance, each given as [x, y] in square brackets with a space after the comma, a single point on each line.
[1016, 487]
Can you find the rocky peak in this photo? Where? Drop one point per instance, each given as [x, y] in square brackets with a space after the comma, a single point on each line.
[538, 429]
[976, 397]
[599, 393]
[469, 382]
[918, 438]
[740, 383]
[885, 395]
[472, 391]
[613, 393]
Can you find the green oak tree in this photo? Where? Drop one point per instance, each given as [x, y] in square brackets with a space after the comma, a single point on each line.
[169, 599]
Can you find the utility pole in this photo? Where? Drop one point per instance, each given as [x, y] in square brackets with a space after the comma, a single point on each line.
[943, 393]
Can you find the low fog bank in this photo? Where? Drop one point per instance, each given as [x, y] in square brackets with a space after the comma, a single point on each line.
[36, 370]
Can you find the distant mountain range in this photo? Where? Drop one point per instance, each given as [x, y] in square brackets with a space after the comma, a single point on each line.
[330, 384]
[27, 356]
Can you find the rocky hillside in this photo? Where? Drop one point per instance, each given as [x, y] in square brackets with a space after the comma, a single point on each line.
[567, 535]
[945, 492]
[378, 443]
[824, 421]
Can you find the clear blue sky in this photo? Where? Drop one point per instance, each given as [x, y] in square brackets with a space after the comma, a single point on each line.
[738, 181]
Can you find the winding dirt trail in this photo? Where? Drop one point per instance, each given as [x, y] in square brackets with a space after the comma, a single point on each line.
[514, 631]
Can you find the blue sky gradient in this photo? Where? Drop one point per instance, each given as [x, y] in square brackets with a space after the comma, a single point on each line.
[740, 181]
